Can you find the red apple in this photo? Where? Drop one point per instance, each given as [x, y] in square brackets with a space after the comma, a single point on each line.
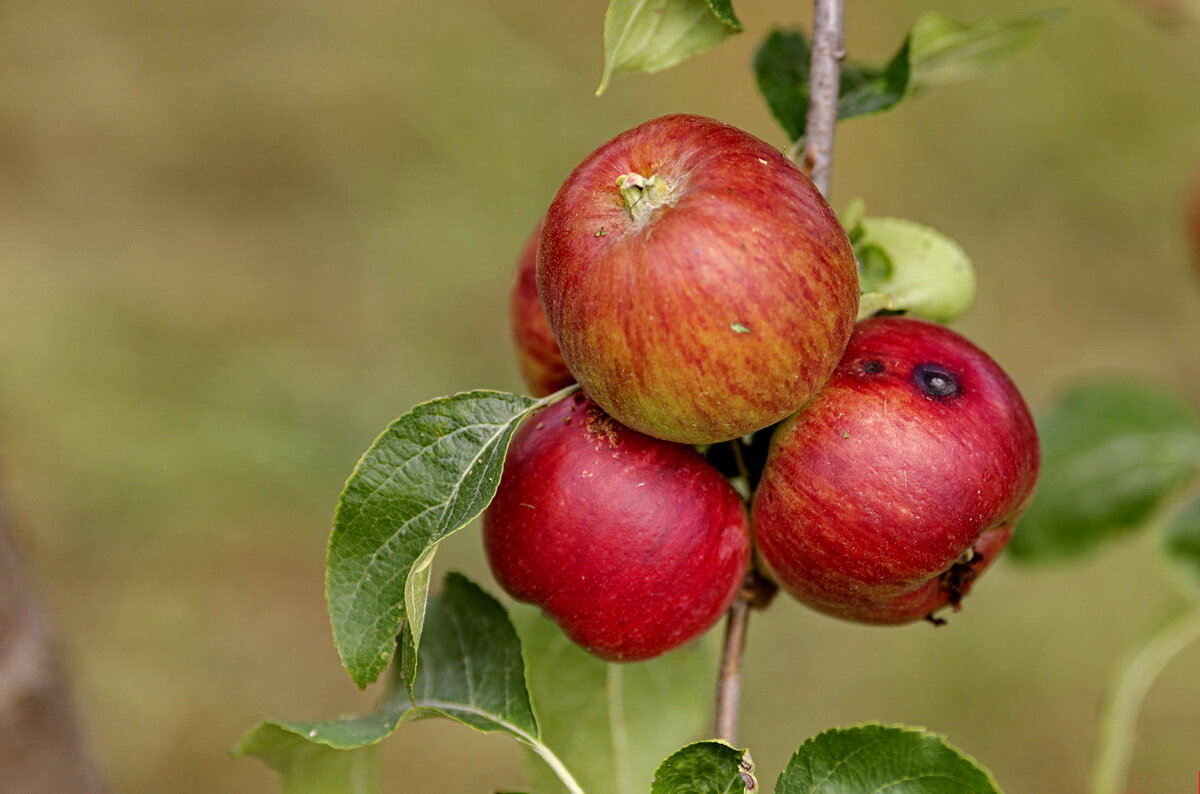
[632, 545]
[891, 492]
[541, 363]
[699, 286]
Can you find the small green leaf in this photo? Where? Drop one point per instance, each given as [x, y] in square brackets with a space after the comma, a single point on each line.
[651, 35]
[781, 68]
[937, 50]
[913, 269]
[947, 50]
[876, 758]
[1181, 542]
[711, 767]
[612, 723]
[430, 473]
[308, 767]
[1111, 454]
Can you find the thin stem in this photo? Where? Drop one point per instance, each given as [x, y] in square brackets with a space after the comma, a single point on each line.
[729, 680]
[1120, 710]
[828, 51]
[558, 767]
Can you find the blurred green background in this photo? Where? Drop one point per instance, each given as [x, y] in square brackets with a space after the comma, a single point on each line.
[236, 239]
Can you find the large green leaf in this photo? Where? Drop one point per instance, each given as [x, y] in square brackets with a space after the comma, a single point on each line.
[1111, 454]
[469, 668]
[612, 723]
[877, 758]
[937, 50]
[705, 768]
[651, 35]
[1181, 542]
[430, 473]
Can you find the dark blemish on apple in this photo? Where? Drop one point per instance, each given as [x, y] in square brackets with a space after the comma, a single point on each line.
[602, 232]
[958, 579]
[936, 381]
[566, 420]
[872, 367]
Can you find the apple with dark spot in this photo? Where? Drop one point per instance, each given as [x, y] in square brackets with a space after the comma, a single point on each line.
[886, 497]
[633, 545]
[541, 364]
[699, 286]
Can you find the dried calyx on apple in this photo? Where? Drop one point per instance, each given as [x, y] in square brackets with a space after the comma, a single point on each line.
[699, 288]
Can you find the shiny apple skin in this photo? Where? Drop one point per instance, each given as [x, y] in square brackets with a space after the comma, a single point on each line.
[538, 357]
[719, 313]
[896, 487]
[633, 545]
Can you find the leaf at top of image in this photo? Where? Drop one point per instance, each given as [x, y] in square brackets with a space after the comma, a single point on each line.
[1112, 454]
[652, 35]
[612, 723]
[937, 50]
[891, 758]
[429, 474]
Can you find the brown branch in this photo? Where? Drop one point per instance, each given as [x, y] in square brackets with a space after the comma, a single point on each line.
[828, 52]
[42, 750]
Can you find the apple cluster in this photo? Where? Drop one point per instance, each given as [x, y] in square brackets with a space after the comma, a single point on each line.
[701, 291]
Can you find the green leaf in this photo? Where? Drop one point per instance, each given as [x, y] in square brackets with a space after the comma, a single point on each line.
[651, 35]
[705, 768]
[937, 50]
[1111, 455]
[876, 758]
[612, 723]
[913, 269]
[947, 50]
[781, 68]
[430, 473]
[308, 767]
[469, 668]
[1181, 543]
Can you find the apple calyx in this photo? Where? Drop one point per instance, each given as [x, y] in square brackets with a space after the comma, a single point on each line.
[643, 195]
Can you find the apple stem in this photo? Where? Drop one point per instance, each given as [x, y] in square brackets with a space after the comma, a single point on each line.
[828, 52]
[729, 680]
[1120, 711]
[643, 194]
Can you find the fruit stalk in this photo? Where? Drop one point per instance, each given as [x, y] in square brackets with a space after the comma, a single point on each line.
[828, 52]
[1120, 711]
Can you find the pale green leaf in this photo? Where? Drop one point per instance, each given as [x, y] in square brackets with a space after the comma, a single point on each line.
[613, 723]
[946, 50]
[912, 269]
[651, 35]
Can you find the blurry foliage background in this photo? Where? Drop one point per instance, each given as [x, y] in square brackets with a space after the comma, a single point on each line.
[236, 239]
